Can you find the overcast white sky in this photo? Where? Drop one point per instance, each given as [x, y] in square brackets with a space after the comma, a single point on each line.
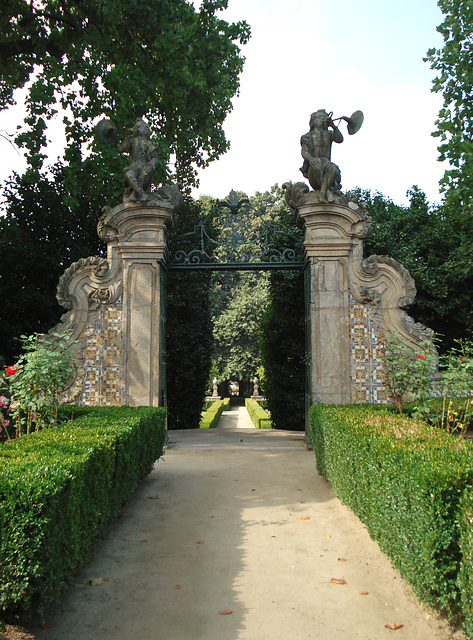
[339, 55]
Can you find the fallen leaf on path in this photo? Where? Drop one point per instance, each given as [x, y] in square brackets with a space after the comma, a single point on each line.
[199, 542]
[327, 535]
[95, 581]
[177, 586]
[43, 625]
[303, 518]
[393, 626]
[342, 559]
[225, 612]
[338, 581]
[108, 580]
[153, 497]
[215, 516]
[364, 593]
[253, 489]
[143, 540]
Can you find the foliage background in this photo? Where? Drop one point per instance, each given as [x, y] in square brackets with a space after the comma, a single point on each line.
[189, 330]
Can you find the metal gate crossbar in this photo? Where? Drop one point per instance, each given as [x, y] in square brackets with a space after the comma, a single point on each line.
[237, 235]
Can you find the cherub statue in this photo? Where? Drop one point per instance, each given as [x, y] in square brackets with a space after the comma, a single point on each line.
[138, 175]
[316, 146]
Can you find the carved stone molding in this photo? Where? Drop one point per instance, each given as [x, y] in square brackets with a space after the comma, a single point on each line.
[134, 223]
[388, 287]
[332, 228]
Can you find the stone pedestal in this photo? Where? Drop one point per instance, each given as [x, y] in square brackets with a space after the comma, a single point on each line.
[117, 309]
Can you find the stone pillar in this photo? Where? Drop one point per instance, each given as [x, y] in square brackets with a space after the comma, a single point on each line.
[330, 230]
[351, 301]
[141, 245]
[115, 308]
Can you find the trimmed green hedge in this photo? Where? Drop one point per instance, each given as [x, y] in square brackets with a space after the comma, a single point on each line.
[406, 481]
[211, 417]
[465, 579]
[59, 489]
[260, 418]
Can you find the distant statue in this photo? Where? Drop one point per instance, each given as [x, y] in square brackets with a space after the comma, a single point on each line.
[256, 391]
[138, 175]
[316, 146]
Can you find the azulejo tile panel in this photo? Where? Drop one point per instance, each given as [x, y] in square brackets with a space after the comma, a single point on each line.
[366, 368]
[103, 368]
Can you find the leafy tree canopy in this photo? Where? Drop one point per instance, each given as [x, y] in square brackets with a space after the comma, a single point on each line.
[236, 323]
[239, 298]
[40, 236]
[453, 64]
[189, 329]
[159, 59]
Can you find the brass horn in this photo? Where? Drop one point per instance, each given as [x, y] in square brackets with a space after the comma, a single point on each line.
[354, 122]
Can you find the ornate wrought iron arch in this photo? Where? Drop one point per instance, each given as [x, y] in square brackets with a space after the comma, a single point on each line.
[238, 236]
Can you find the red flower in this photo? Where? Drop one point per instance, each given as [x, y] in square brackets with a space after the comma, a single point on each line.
[419, 355]
[11, 371]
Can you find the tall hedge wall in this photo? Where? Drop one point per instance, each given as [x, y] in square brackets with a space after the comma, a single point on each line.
[59, 489]
[409, 483]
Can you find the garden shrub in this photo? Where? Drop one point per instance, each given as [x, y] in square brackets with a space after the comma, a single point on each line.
[465, 579]
[405, 480]
[260, 418]
[59, 489]
[211, 417]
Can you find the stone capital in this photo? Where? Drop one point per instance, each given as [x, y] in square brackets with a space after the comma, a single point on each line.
[331, 229]
[136, 230]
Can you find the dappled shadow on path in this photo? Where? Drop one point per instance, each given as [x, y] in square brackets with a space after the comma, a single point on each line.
[172, 560]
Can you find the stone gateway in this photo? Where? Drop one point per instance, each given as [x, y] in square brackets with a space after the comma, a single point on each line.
[116, 305]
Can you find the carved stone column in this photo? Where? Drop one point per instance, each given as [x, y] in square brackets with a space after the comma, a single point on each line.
[138, 239]
[331, 231]
[115, 308]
